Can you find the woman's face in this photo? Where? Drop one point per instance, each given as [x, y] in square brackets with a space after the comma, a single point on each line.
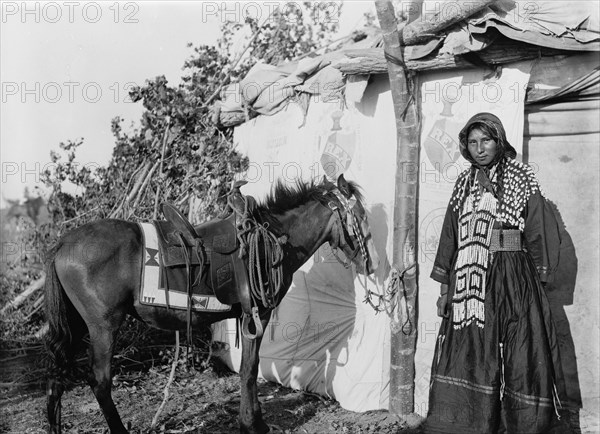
[481, 146]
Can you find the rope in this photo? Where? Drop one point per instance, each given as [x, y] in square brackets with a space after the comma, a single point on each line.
[386, 301]
[266, 278]
[265, 272]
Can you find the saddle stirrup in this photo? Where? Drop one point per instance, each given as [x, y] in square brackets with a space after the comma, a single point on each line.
[257, 324]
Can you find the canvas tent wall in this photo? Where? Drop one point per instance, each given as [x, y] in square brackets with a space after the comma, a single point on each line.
[323, 338]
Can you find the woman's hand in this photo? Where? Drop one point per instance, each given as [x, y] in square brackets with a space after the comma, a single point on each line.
[443, 310]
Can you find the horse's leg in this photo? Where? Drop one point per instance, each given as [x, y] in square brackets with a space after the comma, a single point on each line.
[66, 329]
[101, 351]
[251, 420]
[54, 391]
[95, 273]
[59, 370]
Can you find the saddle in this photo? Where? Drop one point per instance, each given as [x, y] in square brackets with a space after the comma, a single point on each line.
[212, 252]
[206, 259]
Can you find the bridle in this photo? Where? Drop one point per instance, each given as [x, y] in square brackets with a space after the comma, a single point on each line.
[347, 224]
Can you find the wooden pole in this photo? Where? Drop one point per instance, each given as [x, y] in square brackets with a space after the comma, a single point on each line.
[443, 15]
[403, 324]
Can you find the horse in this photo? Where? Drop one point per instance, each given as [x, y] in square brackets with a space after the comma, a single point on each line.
[95, 292]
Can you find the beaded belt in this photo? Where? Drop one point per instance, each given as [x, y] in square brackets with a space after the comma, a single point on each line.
[510, 241]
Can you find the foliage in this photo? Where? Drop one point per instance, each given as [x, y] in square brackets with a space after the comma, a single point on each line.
[177, 153]
[20, 265]
[19, 325]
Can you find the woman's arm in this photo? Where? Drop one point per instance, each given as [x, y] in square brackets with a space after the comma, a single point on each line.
[542, 236]
[444, 258]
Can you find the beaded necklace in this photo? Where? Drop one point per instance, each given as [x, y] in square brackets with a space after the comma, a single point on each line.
[478, 209]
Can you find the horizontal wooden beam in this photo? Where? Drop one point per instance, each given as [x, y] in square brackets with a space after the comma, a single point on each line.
[428, 26]
[372, 61]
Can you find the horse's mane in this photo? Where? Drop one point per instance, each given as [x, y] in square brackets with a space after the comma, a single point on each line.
[284, 197]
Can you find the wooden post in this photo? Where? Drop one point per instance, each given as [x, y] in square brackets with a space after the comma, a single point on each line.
[403, 324]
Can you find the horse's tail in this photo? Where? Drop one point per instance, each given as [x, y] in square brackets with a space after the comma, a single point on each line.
[63, 320]
[58, 308]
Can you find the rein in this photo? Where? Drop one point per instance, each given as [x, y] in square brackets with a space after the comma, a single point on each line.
[352, 227]
[384, 299]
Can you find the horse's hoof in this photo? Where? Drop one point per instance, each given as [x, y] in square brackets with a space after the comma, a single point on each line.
[262, 429]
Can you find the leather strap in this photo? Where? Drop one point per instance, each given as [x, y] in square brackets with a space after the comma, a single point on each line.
[188, 281]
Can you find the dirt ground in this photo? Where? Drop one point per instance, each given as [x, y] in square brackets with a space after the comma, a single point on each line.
[200, 402]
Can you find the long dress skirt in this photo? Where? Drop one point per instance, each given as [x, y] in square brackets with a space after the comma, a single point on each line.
[498, 377]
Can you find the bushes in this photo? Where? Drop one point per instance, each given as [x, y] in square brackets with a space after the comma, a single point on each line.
[176, 154]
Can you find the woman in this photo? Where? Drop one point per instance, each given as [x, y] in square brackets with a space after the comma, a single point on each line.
[496, 365]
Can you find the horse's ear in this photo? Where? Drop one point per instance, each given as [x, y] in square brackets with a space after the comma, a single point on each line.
[343, 186]
[327, 183]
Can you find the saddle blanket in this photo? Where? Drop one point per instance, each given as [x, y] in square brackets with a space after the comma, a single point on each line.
[152, 287]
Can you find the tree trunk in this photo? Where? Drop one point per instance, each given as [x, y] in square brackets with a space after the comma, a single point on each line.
[403, 325]
[20, 299]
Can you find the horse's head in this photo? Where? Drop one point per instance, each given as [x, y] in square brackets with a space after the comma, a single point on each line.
[350, 231]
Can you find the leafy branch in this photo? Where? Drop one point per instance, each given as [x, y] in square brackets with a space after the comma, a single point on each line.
[177, 151]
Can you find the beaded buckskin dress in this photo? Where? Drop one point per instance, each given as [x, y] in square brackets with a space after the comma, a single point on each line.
[496, 366]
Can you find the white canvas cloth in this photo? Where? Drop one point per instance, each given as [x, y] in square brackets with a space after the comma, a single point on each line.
[323, 338]
[563, 148]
